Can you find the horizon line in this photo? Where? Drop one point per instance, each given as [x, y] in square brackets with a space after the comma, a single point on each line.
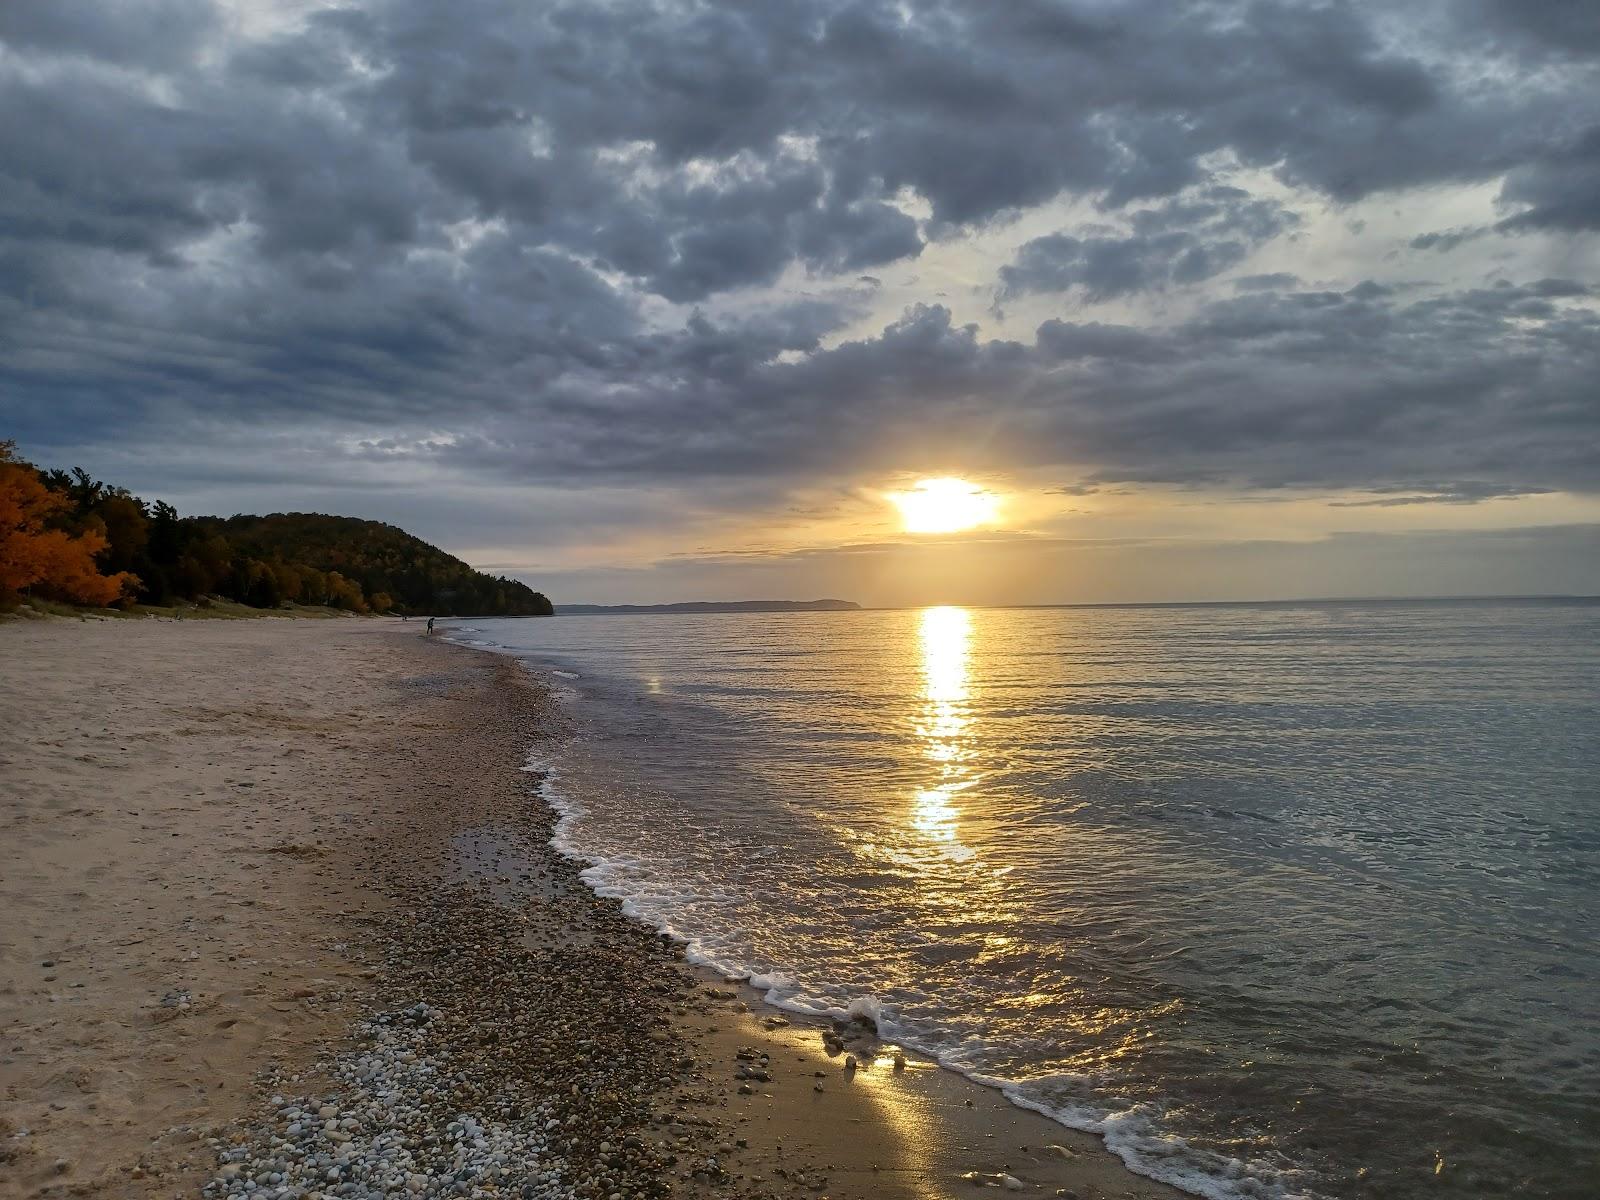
[1430, 599]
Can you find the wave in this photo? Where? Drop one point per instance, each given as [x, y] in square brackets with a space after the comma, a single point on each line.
[1135, 1135]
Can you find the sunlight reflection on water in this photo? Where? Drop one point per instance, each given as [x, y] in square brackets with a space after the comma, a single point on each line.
[1208, 872]
[946, 726]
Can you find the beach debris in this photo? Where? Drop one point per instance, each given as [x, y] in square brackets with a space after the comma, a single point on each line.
[174, 1003]
[993, 1179]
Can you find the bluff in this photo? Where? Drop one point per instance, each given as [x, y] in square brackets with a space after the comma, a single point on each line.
[382, 559]
[66, 536]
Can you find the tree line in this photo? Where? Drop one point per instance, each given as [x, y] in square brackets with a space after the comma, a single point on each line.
[67, 536]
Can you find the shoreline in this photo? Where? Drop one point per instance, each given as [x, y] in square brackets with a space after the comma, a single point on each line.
[355, 839]
[950, 1114]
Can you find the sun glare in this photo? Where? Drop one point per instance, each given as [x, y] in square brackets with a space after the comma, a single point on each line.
[945, 505]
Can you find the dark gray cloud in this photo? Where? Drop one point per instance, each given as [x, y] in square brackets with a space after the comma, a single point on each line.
[159, 34]
[1560, 27]
[1272, 281]
[1561, 190]
[1464, 491]
[1183, 241]
[538, 242]
[1448, 239]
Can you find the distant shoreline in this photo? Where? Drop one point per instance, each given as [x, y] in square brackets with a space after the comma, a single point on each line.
[803, 606]
[708, 606]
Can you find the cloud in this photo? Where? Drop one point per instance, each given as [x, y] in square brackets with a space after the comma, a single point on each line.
[1447, 239]
[637, 244]
[1183, 241]
[1272, 281]
[1560, 28]
[1561, 189]
[1462, 492]
[1361, 389]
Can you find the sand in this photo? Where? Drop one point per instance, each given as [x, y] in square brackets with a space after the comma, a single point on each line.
[225, 844]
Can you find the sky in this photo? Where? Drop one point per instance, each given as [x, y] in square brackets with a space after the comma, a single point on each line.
[663, 301]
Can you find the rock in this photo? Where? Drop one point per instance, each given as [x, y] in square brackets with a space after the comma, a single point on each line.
[999, 1180]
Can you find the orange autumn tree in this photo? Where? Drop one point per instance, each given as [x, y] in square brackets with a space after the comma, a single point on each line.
[34, 556]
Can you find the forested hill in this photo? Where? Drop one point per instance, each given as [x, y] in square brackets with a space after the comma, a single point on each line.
[382, 559]
[67, 536]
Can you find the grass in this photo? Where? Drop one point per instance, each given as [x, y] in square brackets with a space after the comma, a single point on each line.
[212, 608]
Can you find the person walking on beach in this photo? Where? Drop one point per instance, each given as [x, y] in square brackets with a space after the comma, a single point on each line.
[430, 624]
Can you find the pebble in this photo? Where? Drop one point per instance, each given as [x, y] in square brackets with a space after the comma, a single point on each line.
[505, 1058]
[479, 1100]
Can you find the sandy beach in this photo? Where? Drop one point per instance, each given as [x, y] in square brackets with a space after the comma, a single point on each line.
[281, 918]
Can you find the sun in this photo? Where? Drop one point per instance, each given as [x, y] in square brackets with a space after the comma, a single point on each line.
[945, 505]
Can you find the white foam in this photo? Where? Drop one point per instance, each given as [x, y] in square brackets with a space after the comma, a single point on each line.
[1133, 1134]
[867, 1007]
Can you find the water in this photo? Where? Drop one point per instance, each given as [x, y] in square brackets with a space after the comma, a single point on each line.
[1282, 900]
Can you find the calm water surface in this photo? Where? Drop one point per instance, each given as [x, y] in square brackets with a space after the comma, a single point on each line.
[1282, 900]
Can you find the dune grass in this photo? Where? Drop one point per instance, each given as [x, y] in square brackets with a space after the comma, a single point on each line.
[211, 608]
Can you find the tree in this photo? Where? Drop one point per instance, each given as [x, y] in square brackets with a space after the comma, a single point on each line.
[191, 577]
[345, 593]
[306, 558]
[34, 556]
[127, 530]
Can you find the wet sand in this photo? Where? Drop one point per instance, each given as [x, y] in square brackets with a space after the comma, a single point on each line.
[255, 873]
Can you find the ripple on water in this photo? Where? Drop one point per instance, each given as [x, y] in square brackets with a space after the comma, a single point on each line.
[1266, 895]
